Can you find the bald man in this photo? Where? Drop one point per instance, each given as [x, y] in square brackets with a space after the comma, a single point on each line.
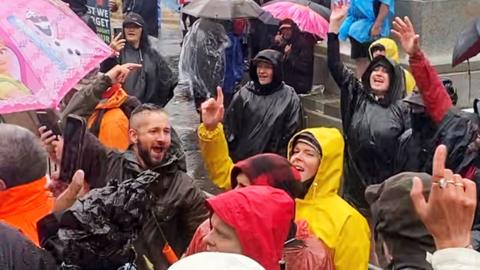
[180, 205]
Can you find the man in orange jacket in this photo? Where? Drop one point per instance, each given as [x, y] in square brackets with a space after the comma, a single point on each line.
[23, 166]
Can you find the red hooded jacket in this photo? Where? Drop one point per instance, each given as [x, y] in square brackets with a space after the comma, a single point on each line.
[261, 217]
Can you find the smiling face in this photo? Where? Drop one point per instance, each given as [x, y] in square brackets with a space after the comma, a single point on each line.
[380, 80]
[133, 33]
[151, 137]
[222, 237]
[306, 160]
[264, 73]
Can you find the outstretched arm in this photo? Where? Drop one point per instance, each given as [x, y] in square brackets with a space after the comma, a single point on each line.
[435, 97]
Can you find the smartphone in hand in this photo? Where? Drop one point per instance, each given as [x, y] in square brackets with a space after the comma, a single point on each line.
[49, 120]
[73, 137]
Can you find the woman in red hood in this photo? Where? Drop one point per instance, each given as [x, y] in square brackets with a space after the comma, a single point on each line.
[302, 250]
[253, 221]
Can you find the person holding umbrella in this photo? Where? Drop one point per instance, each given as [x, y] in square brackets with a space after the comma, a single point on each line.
[297, 49]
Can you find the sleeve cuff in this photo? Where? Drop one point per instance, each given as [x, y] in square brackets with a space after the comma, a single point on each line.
[209, 135]
[466, 257]
[417, 57]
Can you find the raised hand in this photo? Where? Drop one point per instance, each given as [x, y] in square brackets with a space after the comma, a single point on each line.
[52, 143]
[449, 212]
[118, 43]
[119, 73]
[77, 188]
[213, 111]
[405, 32]
[339, 13]
[112, 4]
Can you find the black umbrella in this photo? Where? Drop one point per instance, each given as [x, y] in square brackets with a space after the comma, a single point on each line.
[320, 9]
[468, 43]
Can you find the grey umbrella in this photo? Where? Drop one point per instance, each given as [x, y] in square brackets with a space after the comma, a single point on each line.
[223, 9]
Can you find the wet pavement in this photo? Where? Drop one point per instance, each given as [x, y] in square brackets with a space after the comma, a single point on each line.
[181, 108]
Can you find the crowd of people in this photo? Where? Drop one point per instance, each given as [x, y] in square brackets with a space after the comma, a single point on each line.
[396, 188]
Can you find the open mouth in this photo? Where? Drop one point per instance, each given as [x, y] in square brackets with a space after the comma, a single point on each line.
[299, 168]
[378, 80]
[158, 150]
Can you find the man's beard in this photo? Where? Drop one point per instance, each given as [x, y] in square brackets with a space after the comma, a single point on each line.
[144, 154]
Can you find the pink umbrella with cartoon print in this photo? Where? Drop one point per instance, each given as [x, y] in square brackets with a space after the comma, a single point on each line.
[45, 49]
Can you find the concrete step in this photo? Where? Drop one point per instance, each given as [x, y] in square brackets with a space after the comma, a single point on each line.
[319, 119]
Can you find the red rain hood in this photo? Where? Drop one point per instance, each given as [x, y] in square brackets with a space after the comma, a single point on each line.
[261, 217]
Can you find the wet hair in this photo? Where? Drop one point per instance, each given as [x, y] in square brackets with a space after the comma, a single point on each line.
[147, 107]
[22, 156]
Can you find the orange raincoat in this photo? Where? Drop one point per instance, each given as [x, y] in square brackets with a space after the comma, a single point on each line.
[114, 123]
[22, 206]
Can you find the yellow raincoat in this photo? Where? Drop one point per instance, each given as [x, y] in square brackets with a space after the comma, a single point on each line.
[342, 228]
[391, 51]
[331, 219]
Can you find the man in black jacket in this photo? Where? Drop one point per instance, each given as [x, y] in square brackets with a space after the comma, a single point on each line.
[297, 49]
[179, 207]
[265, 113]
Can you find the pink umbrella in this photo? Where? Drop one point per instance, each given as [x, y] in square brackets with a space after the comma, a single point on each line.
[306, 19]
[45, 49]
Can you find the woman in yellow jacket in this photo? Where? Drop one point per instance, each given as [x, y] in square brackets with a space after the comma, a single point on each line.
[318, 155]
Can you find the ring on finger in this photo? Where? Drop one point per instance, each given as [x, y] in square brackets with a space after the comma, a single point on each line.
[458, 184]
[443, 183]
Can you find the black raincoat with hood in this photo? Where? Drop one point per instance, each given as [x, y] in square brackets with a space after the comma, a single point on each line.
[371, 126]
[298, 64]
[154, 81]
[262, 118]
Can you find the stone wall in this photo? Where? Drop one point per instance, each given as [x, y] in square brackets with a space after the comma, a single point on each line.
[439, 22]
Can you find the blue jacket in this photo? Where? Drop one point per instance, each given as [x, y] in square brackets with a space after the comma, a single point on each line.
[361, 17]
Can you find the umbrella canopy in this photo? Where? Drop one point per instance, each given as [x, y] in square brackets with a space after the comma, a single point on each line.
[41, 58]
[267, 18]
[468, 43]
[223, 9]
[317, 7]
[304, 16]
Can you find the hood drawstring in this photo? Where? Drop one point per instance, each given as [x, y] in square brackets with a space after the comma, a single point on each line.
[315, 186]
[167, 250]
